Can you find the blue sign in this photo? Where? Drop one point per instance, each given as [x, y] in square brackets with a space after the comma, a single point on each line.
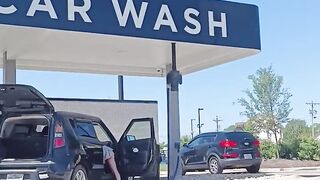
[212, 22]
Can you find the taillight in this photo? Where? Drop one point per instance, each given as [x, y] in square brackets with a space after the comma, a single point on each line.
[228, 144]
[58, 136]
[230, 155]
[58, 142]
[258, 154]
[256, 142]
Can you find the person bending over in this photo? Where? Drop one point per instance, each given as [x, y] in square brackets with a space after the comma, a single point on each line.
[108, 157]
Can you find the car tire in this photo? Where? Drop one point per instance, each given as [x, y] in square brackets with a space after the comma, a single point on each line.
[254, 168]
[79, 173]
[214, 166]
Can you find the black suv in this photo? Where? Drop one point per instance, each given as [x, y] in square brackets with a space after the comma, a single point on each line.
[221, 150]
[38, 143]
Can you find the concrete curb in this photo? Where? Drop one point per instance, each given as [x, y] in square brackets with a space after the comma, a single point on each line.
[288, 169]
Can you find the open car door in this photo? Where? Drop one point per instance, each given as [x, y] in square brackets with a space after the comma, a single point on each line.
[23, 99]
[137, 152]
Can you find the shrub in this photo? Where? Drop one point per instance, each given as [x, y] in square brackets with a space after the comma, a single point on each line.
[268, 149]
[293, 132]
[286, 151]
[309, 149]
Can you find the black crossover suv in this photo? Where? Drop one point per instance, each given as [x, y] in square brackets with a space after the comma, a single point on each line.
[221, 150]
[38, 143]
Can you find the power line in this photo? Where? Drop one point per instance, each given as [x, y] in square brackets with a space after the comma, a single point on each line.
[313, 112]
[217, 120]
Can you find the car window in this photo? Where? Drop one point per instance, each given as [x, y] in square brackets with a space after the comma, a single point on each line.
[195, 142]
[239, 136]
[203, 140]
[208, 139]
[85, 129]
[39, 128]
[101, 133]
[139, 130]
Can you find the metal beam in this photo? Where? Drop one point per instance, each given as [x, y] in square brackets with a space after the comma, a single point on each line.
[9, 70]
[120, 88]
[174, 79]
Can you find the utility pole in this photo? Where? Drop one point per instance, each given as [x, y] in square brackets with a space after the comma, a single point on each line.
[192, 131]
[313, 112]
[217, 120]
[199, 120]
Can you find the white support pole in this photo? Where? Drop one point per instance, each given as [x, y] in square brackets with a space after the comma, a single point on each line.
[9, 70]
[173, 80]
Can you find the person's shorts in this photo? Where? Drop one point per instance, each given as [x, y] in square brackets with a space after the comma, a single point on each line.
[107, 153]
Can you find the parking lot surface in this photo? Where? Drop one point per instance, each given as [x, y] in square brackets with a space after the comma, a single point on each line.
[309, 173]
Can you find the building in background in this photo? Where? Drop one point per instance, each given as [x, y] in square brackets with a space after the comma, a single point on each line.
[114, 113]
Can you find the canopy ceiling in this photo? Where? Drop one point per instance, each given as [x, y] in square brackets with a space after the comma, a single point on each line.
[54, 50]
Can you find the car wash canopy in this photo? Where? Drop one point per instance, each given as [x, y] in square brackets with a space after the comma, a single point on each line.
[232, 28]
[128, 37]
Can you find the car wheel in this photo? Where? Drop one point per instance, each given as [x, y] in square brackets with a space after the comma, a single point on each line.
[254, 168]
[214, 166]
[79, 173]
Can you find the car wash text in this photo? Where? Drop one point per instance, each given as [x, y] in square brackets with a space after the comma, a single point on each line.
[164, 18]
[197, 21]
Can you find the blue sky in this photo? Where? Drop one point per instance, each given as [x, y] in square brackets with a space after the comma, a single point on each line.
[290, 43]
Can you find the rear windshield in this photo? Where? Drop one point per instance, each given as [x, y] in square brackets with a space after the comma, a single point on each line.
[238, 136]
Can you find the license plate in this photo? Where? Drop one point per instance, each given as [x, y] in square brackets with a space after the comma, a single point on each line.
[15, 177]
[247, 156]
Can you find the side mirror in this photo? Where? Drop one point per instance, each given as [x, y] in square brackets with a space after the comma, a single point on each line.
[185, 145]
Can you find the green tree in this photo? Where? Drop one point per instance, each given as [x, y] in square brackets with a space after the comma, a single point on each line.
[267, 105]
[162, 145]
[252, 127]
[230, 128]
[296, 128]
[184, 139]
[294, 131]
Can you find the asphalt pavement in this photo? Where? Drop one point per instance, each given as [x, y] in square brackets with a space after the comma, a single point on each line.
[304, 173]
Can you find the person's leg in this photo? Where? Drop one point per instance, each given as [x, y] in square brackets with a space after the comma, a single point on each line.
[113, 167]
